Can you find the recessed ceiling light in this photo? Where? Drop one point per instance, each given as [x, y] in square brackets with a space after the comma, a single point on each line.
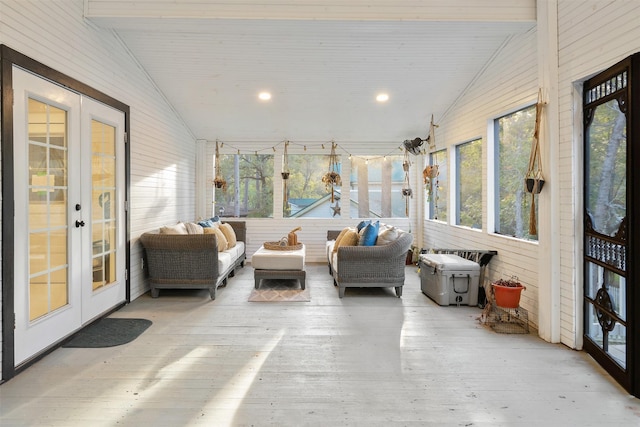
[382, 97]
[265, 96]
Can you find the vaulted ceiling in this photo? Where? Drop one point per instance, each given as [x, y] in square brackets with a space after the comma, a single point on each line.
[324, 62]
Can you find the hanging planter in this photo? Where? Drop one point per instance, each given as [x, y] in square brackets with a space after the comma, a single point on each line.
[407, 192]
[332, 178]
[285, 176]
[285, 162]
[507, 292]
[219, 181]
[429, 174]
[534, 185]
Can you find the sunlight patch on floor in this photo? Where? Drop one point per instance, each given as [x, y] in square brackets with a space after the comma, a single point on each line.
[238, 386]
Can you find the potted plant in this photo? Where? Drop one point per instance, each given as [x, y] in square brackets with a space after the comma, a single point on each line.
[507, 292]
[285, 162]
[220, 182]
[332, 178]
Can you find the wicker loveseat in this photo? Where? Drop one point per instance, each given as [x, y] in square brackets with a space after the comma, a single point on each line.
[191, 261]
[368, 266]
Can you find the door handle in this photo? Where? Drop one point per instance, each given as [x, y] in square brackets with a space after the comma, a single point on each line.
[79, 223]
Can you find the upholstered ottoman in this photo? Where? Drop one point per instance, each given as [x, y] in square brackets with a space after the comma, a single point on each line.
[276, 264]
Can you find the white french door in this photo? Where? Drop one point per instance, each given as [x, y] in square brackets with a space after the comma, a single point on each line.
[69, 208]
[103, 237]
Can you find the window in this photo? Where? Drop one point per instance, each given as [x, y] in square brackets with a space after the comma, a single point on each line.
[437, 185]
[376, 187]
[305, 193]
[469, 184]
[249, 191]
[513, 140]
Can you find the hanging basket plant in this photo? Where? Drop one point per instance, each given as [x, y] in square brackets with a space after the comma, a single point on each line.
[407, 192]
[332, 178]
[219, 181]
[429, 175]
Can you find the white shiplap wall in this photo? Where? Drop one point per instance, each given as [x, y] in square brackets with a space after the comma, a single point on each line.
[509, 82]
[592, 36]
[162, 149]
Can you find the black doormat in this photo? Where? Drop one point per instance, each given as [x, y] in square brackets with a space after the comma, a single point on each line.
[108, 332]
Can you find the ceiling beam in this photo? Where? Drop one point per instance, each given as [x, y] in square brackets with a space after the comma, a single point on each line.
[113, 12]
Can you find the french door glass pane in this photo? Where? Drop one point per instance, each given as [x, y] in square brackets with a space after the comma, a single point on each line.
[48, 255]
[103, 225]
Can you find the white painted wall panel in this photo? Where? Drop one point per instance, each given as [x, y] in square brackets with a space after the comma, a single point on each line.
[508, 83]
[592, 36]
[162, 149]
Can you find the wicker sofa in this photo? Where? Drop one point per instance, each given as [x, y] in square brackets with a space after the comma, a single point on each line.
[191, 261]
[368, 266]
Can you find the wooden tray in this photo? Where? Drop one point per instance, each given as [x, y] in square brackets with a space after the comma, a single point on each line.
[276, 246]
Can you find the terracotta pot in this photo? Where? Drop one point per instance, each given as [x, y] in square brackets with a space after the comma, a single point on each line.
[507, 296]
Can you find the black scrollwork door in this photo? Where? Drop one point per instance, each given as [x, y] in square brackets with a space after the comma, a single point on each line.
[608, 173]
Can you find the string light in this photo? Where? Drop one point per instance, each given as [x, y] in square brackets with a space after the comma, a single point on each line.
[273, 148]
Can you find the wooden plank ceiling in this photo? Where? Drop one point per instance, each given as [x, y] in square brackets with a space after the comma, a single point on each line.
[323, 61]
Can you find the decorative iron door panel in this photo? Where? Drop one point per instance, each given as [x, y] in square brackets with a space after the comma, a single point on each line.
[609, 274]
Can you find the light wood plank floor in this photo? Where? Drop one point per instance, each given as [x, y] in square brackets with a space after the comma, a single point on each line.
[369, 359]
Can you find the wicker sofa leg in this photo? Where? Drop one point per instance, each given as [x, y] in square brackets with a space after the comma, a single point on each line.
[155, 292]
[341, 291]
[212, 292]
[399, 291]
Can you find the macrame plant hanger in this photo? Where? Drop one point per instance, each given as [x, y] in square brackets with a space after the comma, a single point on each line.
[285, 176]
[407, 192]
[534, 179]
[332, 178]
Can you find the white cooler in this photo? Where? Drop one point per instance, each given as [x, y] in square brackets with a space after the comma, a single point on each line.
[449, 279]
